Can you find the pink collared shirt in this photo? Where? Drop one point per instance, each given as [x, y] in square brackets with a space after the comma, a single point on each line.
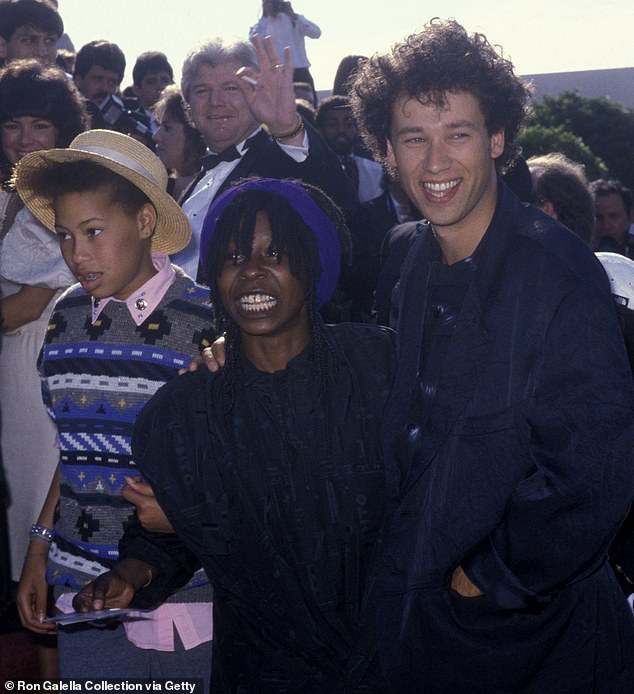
[147, 297]
[155, 630]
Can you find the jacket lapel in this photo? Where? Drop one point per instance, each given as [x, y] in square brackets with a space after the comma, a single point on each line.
[470, 344]
[468, 348]
[411, 304]
[247, 165]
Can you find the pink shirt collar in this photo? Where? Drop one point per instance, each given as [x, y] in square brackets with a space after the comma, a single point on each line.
[147, 297]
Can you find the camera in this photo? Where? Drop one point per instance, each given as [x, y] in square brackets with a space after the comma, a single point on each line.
[118, 117]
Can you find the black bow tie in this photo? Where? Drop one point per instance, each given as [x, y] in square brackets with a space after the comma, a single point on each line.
[231, 153]
[209, 161]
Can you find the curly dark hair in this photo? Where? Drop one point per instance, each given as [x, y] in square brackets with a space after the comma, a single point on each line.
[441, 58]
[28, 88]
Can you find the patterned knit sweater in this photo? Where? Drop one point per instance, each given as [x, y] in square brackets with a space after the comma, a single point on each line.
[96, 379]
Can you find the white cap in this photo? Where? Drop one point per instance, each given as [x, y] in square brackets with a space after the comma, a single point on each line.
[620, 272]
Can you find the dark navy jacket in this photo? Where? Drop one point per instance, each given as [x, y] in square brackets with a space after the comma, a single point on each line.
[275, 483]
[524, 473]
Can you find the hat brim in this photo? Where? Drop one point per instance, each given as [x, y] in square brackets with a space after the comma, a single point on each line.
[173, 231]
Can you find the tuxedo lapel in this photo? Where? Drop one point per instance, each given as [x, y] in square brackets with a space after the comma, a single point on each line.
[248, 164]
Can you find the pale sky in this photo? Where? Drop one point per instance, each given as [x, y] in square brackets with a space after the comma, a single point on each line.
[537, 35]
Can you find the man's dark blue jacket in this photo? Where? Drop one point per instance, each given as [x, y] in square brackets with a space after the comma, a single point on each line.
[524, 473]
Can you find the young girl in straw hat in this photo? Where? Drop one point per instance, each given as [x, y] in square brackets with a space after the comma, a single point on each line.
[114, 339]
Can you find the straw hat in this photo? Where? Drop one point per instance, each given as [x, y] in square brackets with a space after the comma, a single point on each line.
[125, 156]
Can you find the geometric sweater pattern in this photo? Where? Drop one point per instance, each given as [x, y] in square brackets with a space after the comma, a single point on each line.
[96, 378]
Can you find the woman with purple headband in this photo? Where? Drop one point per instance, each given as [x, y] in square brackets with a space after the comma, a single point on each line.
[270, 471]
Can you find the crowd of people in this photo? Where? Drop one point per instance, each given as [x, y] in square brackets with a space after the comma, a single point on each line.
[335, 394]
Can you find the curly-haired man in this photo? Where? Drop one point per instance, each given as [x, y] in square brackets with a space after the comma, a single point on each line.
[510, 419]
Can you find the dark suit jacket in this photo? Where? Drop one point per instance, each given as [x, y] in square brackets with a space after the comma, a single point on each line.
[523, 475]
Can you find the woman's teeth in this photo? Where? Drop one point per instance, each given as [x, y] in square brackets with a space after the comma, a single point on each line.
[257, 302]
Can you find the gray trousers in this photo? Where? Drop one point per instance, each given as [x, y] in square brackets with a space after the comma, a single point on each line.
[86, 651]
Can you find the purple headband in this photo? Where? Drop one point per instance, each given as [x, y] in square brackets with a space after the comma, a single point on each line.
[320, 224]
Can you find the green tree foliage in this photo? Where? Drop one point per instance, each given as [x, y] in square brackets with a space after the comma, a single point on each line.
[538, 139]
[606, 128]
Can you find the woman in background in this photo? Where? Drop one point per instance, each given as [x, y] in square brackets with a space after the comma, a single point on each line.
[288, 28]
[178, 144]
[40, 108]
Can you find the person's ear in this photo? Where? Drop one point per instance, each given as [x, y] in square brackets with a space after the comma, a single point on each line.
[390, 157]
[146, 220]
[547, 207]
[496, 144]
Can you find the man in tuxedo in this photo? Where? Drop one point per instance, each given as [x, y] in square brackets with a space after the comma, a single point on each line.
[242, 101]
